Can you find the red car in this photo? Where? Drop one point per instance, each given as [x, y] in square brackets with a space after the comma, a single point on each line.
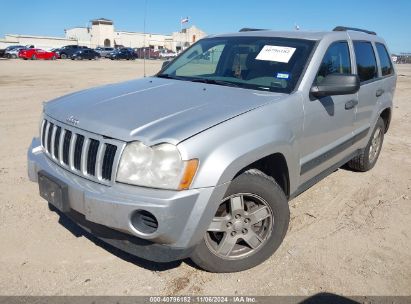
[37, 54]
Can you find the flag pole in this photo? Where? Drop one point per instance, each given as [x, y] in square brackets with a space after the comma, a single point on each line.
[144, 40]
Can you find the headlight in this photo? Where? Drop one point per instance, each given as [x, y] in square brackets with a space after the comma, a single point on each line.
[159, 166]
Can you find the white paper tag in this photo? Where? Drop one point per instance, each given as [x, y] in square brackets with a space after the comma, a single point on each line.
[276, 53]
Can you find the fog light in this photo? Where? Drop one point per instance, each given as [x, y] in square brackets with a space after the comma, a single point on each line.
[144, 222]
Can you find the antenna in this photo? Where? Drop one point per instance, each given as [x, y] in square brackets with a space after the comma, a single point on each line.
[144, 40]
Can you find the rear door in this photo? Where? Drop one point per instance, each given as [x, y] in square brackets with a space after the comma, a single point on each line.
[387, 72]
[371, 86]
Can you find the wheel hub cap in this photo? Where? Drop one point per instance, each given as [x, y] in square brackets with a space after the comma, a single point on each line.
[240, 227]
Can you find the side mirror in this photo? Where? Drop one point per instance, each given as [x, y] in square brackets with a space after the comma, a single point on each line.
[165, 64]
[336, 84]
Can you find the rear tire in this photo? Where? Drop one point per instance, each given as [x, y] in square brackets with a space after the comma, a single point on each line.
[239, 241]
[34, 57]
[368, 157]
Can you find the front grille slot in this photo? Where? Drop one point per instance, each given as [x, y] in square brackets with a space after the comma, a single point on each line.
[43, 133]
[77, 151]
[86, 154]
[66, 147]
[57, 142]
[108, 161]
[92, 157]
[49, 135]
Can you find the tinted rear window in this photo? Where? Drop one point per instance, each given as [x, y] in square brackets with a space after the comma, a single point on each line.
[386, 65]
[366, 62]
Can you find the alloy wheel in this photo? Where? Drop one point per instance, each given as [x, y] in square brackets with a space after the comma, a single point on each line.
[241, 226]
[375, 145]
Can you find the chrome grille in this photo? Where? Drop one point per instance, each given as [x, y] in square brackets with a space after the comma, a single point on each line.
[86, 154]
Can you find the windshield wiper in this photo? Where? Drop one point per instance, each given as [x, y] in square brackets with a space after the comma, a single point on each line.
[214, 81]
[168, 76]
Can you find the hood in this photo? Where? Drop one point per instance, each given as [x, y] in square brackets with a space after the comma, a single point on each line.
[155, 110]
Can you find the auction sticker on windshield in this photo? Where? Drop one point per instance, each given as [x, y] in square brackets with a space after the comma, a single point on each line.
[276, 53]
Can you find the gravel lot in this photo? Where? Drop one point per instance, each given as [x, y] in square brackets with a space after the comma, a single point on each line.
[350, 234]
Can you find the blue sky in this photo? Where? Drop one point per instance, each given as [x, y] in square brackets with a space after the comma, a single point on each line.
[391, 20]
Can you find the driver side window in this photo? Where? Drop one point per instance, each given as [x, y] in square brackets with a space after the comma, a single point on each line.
[201, 63]
[336, 61]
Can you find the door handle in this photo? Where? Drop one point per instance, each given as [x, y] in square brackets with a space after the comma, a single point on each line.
[379, 92]
[351, 104]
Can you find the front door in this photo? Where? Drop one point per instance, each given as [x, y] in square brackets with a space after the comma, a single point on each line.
[328, 123]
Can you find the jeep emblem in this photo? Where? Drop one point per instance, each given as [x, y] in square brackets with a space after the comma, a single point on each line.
[72, 120]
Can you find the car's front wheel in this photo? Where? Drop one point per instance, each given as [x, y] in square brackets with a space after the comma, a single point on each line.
[248, 227]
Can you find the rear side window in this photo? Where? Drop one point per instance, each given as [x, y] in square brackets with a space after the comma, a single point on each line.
[336, 61]
[366, 62]
[386, 65]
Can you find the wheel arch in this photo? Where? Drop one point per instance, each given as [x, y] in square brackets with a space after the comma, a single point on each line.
[386, 117]
[273, 165]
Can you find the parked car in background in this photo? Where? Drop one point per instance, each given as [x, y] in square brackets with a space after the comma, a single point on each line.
[147, 53]
[2, 52]
[12, 52]
[85, 54]
[167, 54]
[68, 50]
[104, 51]
[124, 53]
[34, 54]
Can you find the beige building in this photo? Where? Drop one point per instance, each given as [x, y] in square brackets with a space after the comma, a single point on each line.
[102, 33]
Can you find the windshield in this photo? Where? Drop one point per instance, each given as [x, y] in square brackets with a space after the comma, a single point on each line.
[259, 63]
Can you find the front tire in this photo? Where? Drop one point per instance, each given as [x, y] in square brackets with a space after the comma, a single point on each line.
[63, 56]
[248, 227]
[368, 157]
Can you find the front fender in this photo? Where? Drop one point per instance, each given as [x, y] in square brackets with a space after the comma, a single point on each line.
[227, 148]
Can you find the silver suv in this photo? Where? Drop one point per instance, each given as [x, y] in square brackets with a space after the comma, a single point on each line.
[201, 160]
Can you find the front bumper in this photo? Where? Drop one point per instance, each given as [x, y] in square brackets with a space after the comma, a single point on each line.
[183, 216]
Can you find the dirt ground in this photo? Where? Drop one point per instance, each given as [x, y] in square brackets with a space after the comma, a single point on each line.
[350, 234]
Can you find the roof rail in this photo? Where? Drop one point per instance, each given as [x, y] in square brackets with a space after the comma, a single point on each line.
[248, 29]
[345, 28]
